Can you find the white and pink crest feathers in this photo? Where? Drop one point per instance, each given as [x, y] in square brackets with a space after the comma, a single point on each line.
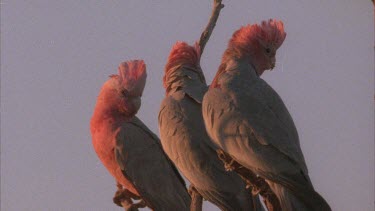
[181, 54]
[271, 32]
[132, 76]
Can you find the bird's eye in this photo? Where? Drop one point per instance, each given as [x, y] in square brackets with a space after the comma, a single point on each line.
[124, 92]
[268, 50]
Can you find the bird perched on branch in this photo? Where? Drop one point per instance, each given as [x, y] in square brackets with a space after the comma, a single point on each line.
[247, 119]
[128, 149]
[184, 137]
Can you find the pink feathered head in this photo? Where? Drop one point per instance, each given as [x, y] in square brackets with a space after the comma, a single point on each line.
[269, 32]
[181, 54]
[132, 76]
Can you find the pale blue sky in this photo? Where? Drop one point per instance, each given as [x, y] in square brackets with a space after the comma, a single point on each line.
[55, 56]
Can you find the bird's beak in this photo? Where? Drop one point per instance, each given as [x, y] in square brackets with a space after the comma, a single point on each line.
[273, 62]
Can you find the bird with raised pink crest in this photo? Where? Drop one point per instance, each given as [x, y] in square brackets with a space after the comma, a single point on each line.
[184, 137]
[128, 149]
[247, 119]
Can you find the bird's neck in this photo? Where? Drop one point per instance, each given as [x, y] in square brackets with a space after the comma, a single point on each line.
[108, 113]
[183, 78]
[235, 70]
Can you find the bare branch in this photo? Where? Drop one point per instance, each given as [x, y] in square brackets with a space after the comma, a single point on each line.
[205, 36]
[196, 199]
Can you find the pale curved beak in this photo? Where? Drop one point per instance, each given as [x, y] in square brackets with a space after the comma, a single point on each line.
[273, 62]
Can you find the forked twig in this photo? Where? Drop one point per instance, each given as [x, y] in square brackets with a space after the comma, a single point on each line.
[206, 34]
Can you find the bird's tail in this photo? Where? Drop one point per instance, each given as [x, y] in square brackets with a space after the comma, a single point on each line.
[304, 199]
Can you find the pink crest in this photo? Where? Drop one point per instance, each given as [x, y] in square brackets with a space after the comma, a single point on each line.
[271, 32]
[132, 76]
[181, 54]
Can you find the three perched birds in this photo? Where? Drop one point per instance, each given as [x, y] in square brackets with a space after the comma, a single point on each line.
[238, 113]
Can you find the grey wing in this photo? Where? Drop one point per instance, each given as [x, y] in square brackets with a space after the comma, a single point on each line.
[139, 123]
[278, 115]
[191, 80]
[251, 132]
[143, 162]
[248, 117]
[185, 140]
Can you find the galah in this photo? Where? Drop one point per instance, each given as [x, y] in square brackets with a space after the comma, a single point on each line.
[184, 137]
[248, 120]
[128, 149]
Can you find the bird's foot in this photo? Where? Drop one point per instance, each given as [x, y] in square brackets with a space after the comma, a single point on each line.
[136, 206]
[229, 165]
[254, 190]
[261, 187]
[123, 198]
[257, 186]
[229, 162]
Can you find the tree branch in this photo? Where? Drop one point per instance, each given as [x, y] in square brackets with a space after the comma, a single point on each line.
[205, 36]
[196, 199]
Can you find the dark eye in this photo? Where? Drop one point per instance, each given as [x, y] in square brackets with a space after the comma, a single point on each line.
[124, 92]
[268, 50]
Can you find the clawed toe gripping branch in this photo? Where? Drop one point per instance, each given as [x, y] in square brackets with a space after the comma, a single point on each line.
[256, 184]
[123, 198]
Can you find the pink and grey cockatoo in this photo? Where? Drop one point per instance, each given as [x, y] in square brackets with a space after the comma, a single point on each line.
[128, 149]
[184, 137]
[247, 119]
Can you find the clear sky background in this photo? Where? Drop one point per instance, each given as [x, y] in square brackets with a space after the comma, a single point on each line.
[55, 56]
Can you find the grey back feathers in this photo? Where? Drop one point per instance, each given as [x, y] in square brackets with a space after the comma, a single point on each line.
[143, 162]
[247, 119]
[185, 140]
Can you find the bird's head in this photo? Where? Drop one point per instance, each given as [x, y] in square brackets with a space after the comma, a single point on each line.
[128, 86]
[259, 43]
[181, 55]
